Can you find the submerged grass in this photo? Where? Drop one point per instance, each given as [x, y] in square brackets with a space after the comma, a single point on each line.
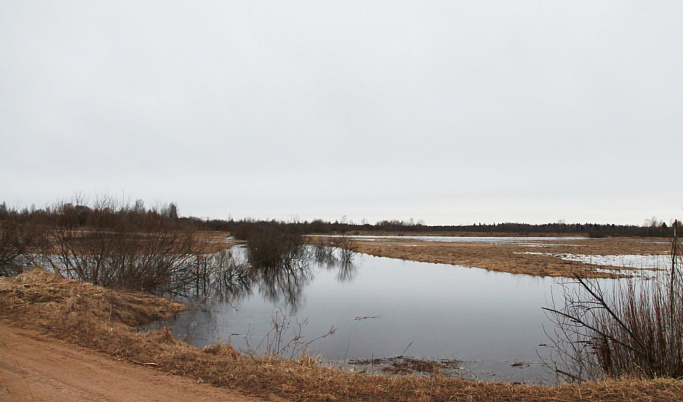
[105, 320]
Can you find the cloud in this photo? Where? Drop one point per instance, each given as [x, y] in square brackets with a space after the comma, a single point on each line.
[380, 110]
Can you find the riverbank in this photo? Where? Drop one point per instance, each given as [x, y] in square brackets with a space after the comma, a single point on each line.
[540, 257]
[104, 320]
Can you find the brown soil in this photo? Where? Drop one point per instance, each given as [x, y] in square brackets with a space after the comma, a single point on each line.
[515, 258]
[34, 367]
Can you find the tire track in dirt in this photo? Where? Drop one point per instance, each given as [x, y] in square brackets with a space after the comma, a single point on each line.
[34, 367]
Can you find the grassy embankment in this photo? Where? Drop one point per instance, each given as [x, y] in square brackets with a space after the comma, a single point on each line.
[104, 320]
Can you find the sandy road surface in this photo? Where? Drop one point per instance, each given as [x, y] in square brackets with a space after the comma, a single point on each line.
[37, 368]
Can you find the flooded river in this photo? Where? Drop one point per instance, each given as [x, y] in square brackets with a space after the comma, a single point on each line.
[379, 308]
[488, 325]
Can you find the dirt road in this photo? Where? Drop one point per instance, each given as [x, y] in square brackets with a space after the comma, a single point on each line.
[34, 367]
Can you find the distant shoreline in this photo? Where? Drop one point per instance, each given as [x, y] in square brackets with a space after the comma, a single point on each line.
[536, 258]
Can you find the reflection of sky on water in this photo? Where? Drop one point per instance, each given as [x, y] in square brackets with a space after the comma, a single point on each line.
[423, 310]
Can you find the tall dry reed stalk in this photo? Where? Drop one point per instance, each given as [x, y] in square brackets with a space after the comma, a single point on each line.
[633, 328]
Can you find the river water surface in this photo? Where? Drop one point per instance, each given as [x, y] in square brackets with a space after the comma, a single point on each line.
[492, 323]
[487, 325]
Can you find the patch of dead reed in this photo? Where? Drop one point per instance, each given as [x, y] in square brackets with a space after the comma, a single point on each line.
[543, 260]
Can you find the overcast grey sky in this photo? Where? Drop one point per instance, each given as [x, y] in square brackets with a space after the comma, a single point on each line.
[453, 112]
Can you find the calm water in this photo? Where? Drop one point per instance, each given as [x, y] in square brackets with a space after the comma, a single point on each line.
[385, 307]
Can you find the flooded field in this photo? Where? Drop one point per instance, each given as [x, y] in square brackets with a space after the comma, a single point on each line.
[365, 315]
[537, 256]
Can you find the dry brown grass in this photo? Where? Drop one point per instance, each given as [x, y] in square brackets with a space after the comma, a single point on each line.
[514, 258]
[103, 320]
[208, 242]
[215, 241]
[39, 299]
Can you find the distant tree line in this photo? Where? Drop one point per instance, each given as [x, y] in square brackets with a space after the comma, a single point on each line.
[652, 228]
[104, 213]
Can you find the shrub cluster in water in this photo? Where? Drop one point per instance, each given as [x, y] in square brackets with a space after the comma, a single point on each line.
[106, 244]
[272, 245]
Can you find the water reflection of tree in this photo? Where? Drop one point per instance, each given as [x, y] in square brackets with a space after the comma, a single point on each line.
[347, 271]
[326, 258]
[234, 285]
[324, 250]
[233, 279]
[323, 253]
[226, 278]
[285, 282]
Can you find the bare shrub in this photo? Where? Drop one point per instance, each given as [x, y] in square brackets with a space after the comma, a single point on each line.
[286, 339]
[17, 239]
[634, 329]
[12, 245]
[274, 245]
[104, 246]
